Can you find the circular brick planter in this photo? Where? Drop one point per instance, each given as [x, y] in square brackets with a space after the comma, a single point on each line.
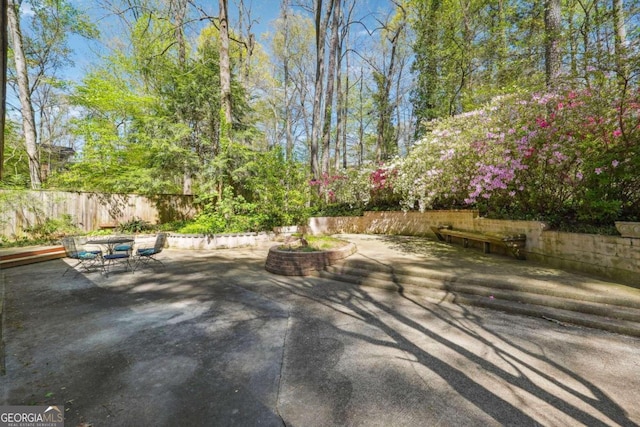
[291, 263]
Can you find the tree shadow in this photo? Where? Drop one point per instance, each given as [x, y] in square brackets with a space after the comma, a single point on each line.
[518, 372]
[213, 309]
[459, 260]
[167, 340]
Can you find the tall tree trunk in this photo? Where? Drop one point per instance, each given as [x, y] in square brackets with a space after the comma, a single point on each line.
[340, 117]
[585, 30]
[361, 124]
[26, 107]
[3, 83]
[386, 142]
[345, 110]
[287, 101]
[620, 41]
[343, 94]
[573, 40]
[328, 102]
[429, 99]
[553, 55]
[321, 23]
[249, 41]
[178, 9]
[225, 66]
[396, 104]
[503, 46]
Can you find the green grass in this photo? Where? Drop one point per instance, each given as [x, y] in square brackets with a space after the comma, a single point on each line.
[324, 243]
[317, 244]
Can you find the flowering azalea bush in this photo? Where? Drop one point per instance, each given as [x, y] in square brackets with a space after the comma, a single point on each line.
[369, 186]
[439, 169]
[570, 156]
[326, 187]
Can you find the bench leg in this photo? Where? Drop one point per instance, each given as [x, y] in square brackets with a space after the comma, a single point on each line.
[448, 239]
[465, 243]
[487, 247]
[517, 252]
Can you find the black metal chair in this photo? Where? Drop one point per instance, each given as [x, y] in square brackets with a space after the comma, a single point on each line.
[86, 259]
[146, 254]
[81, 242]
[116, 257]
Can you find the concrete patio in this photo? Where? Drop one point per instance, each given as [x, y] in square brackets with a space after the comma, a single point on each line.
[214, 339]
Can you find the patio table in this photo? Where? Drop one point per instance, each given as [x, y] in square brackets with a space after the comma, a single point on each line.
[110, 242]
[110, 257]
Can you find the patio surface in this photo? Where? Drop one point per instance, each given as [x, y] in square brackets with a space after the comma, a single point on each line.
[214, 339]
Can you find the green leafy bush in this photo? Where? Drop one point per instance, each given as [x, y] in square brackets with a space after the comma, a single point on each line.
[50, 229]
[136, 225]
[339, 209]
[250, 190]
[230, 214]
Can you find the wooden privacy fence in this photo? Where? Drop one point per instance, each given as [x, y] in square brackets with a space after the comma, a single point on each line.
[20, 209]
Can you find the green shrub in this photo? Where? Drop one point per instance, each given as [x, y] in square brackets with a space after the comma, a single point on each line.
[172, 226]
[339, 209]
[230, 214]
[205, 223]
[50, 229]
[136, 225]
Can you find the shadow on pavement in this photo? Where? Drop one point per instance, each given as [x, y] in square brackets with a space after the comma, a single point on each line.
[213, 339]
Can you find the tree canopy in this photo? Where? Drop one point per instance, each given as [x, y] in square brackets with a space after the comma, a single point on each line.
[185, 99]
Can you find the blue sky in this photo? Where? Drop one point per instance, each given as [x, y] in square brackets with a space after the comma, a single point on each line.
[263, 12]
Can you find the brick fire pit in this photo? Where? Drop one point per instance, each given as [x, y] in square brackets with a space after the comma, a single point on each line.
[293, 263]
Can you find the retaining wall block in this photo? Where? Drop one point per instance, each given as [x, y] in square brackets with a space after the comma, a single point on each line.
[608, 256]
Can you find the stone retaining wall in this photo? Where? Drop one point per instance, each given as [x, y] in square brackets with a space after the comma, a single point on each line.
[608, 256]
[402, 223]
[216, 241]
[612, 257]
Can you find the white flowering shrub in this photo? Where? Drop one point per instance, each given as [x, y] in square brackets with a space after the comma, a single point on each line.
[570, 156]
[440, 166]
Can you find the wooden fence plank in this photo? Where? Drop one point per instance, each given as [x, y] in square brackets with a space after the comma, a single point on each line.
[26, 208]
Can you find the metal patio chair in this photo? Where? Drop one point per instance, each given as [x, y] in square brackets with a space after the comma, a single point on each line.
[116, 257]
[144, 255]
[86, 259]
[81, 244]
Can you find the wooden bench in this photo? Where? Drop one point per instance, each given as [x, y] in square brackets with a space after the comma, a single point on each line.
[513, 243]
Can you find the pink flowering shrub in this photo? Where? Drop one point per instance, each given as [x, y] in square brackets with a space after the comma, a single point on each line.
[369, 186]
[566, 156]
[381, 187]
[325, 186]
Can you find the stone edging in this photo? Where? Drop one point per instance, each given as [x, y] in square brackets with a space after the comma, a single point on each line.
[288, 263]
[216, 241]
[628, 229]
